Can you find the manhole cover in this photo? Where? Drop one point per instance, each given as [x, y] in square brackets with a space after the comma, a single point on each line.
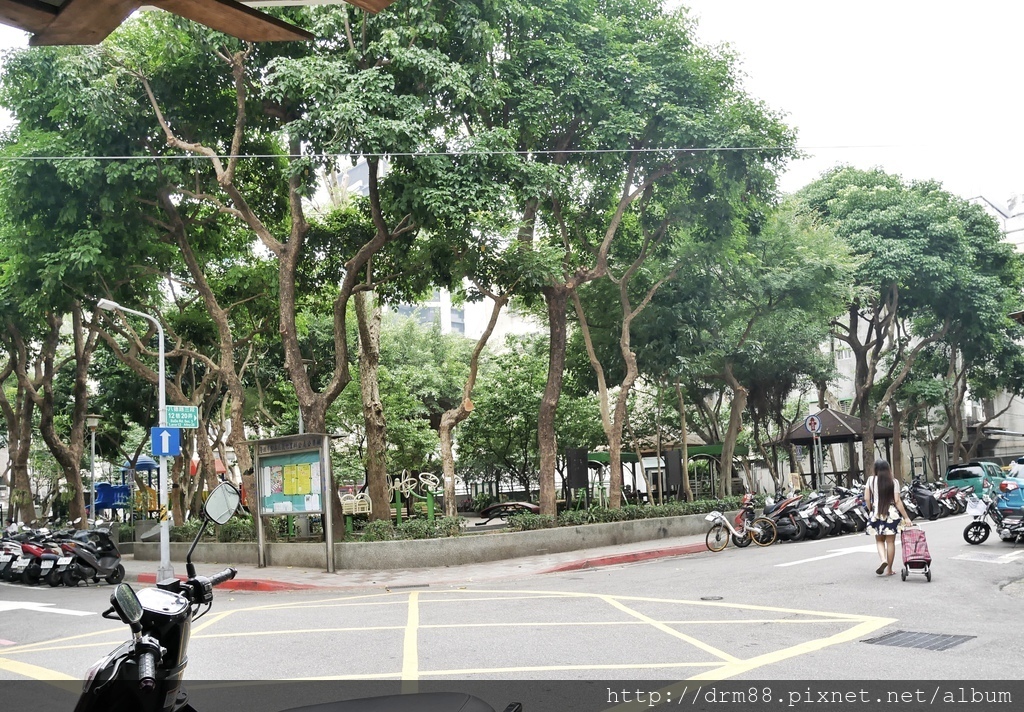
[927, 641]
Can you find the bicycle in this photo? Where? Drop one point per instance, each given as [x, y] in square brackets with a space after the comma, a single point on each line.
[749, 528]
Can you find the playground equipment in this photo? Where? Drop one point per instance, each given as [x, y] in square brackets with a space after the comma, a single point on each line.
[407, 485]
[353, 504]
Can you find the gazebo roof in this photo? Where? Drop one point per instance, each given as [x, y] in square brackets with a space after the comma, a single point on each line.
[836, 427]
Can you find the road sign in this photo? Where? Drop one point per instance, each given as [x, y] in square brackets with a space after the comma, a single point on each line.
[813, 424]
[182, 416]
[166, 442]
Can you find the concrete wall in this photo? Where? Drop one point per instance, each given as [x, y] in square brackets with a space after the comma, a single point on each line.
[425, 553]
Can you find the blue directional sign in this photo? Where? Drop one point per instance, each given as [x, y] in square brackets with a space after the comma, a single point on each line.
[166, 442]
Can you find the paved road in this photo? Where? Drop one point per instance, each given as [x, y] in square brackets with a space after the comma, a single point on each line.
[790, 611]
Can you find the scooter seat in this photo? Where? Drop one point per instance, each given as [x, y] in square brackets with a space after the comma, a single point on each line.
[419, 702]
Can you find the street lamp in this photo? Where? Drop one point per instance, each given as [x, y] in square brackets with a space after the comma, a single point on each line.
[164, 570]
[93, 421]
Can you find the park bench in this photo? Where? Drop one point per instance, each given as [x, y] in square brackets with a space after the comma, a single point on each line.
[504, 509]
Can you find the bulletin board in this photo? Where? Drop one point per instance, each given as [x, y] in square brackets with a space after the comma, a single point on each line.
[293, 477]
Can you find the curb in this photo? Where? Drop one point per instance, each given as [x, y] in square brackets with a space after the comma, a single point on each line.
[238, 584]
[629, 558]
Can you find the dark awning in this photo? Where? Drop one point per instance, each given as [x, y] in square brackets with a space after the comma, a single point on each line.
[836, 427]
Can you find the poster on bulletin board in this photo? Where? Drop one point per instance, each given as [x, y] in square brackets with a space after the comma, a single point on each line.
[293, 476]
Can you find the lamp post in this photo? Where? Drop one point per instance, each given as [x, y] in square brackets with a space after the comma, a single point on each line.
[93, 422]
[164, 570]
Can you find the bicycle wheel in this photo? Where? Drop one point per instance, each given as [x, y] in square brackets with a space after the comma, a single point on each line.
[765, 532]
[717, 538]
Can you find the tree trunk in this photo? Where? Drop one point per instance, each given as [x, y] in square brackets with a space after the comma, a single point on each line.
[897, 442]
[557, 297]
[368, 317]
[18, 418]
[451, 418]
[684, 438]
[739, 403]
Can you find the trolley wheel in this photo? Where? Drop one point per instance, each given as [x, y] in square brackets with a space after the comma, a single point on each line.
[928, 574]
[903, 573]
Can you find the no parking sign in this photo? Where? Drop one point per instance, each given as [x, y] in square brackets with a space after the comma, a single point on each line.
[813, 424]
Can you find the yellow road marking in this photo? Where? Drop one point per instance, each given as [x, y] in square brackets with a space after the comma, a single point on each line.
[32, 671]
[410, 649]
[532, 668]
[810, 646]
[207, 623]
[28, 647]
[671, 631]
[411, 672]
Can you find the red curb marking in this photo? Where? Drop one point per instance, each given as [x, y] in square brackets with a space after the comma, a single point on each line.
[614, 559]
[245, 584]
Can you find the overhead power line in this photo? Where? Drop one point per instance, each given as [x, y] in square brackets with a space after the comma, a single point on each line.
[427, 154]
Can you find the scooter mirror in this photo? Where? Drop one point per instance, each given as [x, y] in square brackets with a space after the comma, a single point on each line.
[222, 503]
[126, 604]
[77, 521]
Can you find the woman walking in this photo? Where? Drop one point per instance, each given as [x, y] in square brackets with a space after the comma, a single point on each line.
[886, 514]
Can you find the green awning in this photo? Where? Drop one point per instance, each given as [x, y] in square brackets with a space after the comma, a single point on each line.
[604, 458]
[715, 450]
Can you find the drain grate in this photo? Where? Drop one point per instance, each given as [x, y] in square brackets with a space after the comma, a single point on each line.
[926, 641]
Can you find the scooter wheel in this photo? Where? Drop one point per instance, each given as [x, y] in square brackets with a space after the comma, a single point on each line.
[117, 576]
[977, 532]
[801, 531]
[53, 577]
[30, 576]
[69, 578]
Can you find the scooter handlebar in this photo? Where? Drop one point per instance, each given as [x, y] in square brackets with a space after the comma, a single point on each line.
[147, 671]
[225, 575]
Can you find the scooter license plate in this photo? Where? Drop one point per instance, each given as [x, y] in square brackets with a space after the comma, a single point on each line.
[5, 558]
[46, 565]
[820, 518]
[21, 564]
[64, 561]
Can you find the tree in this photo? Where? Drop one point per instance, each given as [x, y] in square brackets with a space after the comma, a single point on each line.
[608, 103]
[932, 267]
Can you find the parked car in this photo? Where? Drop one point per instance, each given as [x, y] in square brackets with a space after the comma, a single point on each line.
[979, 475]
[993, 471]
[1012, 503]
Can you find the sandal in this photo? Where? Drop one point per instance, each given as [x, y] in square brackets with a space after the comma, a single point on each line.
[881, 568]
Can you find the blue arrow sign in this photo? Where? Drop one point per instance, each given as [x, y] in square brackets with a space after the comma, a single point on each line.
[166, 442]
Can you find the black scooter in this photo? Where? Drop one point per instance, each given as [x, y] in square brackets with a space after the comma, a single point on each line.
[96, 557]
[145, 673]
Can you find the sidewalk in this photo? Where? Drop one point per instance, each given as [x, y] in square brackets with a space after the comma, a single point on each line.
[278, 578]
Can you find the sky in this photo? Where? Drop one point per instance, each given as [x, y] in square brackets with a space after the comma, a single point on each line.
[927, 90]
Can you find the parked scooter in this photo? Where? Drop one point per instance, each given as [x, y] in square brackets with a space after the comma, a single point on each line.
[39, 554]
[785, 514]
[145, 673]
[95, 557]
[10, 550]
[1009, 530]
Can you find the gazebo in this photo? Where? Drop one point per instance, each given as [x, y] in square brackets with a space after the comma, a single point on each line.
[836, 428]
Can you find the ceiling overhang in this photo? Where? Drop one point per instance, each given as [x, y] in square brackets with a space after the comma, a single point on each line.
[83, 22]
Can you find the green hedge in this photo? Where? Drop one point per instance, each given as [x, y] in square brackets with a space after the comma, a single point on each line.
[385, 530]
[600, 515]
